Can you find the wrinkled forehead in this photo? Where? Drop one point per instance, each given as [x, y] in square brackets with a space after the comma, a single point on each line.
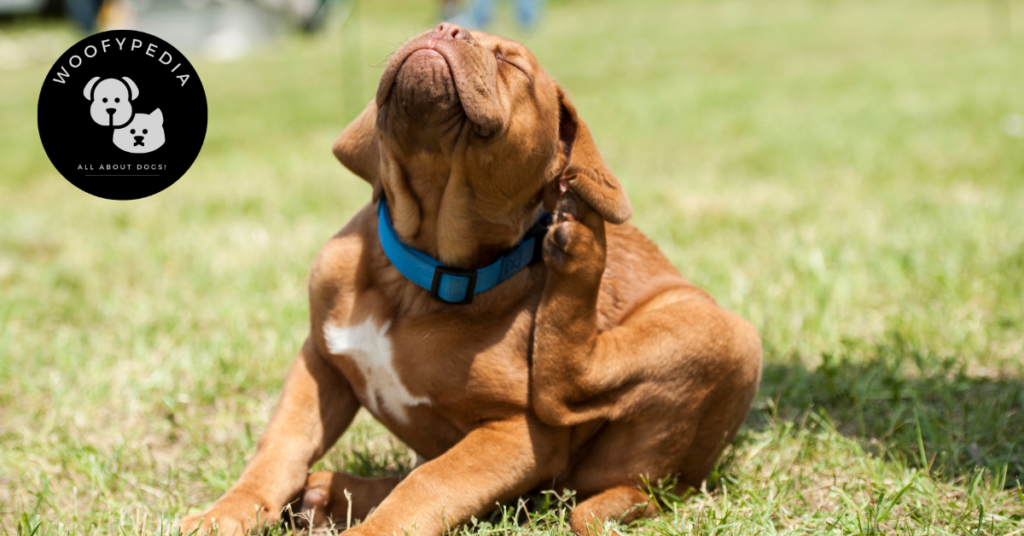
[508, 47]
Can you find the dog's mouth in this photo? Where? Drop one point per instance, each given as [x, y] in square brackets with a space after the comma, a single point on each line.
[139, 142]
[432, 78]
[430, 62]
[423, 87]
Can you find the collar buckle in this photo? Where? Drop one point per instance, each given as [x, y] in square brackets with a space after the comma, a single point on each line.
[429, 274]
[440, 271]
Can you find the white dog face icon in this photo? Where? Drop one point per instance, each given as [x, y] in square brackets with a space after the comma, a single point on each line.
[111, 100]
[144, 134]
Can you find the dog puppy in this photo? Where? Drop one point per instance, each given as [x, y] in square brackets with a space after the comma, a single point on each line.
[144, 134]
[111, 100]
[594, 370]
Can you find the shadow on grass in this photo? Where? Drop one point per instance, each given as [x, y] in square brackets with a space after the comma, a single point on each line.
[900, 400]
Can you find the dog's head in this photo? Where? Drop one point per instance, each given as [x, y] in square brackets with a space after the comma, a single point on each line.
[468, 138]
[111, 100]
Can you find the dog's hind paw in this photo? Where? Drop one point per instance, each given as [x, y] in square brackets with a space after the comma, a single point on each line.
[575, 243]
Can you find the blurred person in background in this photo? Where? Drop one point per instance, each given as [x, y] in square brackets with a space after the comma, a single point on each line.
[83, 13]
[478, 14]
[449, 9]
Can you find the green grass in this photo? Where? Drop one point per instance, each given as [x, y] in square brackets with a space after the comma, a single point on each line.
[839, 172]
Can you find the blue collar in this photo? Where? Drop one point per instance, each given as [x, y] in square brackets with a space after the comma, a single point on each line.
[457, 285]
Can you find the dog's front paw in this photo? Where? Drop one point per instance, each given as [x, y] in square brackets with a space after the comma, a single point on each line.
[231, 515]
[212, 522]
[575, 244]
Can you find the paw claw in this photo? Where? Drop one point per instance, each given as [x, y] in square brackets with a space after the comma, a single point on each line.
[567, 208]
[576, 241]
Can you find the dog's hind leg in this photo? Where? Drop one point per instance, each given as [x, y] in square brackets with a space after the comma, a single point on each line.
[678, 353]
[340, 499]
[621, 504]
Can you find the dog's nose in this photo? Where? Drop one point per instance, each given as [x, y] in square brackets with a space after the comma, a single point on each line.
[447, 30]
[111, 110]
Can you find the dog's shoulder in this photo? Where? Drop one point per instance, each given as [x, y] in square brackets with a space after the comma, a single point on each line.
[343, 266]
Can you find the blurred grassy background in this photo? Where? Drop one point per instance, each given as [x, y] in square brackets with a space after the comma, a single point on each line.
[848, 175]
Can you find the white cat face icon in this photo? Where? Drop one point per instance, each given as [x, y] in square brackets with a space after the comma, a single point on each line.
[144, 134]
[111, 100]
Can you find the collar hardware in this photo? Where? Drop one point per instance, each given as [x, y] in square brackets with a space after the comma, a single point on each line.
[440, 271]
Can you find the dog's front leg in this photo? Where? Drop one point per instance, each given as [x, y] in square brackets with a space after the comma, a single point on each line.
[317, 405]
[492, 464]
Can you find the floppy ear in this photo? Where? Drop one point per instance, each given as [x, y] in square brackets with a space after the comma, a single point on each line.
[133, 90]
[89, 86]
[585, 169]
[356, 148]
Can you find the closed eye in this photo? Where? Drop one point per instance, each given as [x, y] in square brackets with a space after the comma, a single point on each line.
[502, 59]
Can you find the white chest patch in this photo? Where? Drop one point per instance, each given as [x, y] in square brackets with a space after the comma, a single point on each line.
[370, 349]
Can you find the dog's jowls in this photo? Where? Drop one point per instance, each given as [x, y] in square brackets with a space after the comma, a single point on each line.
[591, 371]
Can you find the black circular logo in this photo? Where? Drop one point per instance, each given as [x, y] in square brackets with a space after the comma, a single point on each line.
[122, 115]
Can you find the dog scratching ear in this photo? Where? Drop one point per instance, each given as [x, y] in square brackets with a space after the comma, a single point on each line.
[586, 171]
[133, 90]
[356, 148]
[89, 86]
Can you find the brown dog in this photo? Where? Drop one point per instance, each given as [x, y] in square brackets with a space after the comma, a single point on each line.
[589, 371]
